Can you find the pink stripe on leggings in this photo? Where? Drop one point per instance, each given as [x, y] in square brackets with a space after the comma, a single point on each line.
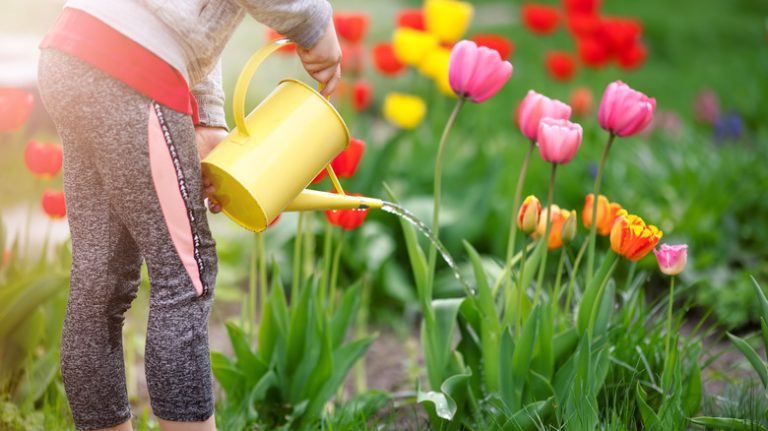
[171, 201]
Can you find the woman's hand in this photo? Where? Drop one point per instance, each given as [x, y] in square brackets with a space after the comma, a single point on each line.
[207, 139]
[323, 61]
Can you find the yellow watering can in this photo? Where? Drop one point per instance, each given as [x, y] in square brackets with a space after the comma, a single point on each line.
[263, 166]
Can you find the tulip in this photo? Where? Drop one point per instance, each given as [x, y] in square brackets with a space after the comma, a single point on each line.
[274, 222]
[530, 212]
[477, 73]
[624, 111]
[540, 19]
[362, 95]
[619, 34]
[559, 217]
[560, 65]
[606, 213]
[352, 57]
[672, 258]
[632, 238]
[592, 52]
[346, 162]
[581, 6]
[347, 219]
[558, 140]
[583, 24]
[448, 20]
[581, 101]
[411, 18]
[43, 160]
[501, 44]
[385, 60]
[15, 107]
[633, 57]
[568, 231]
[54, 205]
[350, 26]
[536, 106]
[436, 66]
[411, 46]
[286, 49]
[404, 110]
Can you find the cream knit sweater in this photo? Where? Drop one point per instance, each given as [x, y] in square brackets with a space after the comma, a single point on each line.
[190, 34]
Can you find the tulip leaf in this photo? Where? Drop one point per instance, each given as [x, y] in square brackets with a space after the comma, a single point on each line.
[757, 364]
[731, 424]
[693, 391]
[443, 402]
[437, 337]
[650, 418]
[530, 417]
[593, 294]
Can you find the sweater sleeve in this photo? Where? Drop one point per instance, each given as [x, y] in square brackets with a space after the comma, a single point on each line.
[302, 21]
[210, 99]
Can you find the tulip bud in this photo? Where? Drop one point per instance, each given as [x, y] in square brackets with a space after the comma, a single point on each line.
[672, 258]
[530, 212]
[569, 226]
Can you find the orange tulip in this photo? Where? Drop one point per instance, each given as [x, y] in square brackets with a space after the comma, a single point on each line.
[632, 238]
[606, 213]
[559, 217]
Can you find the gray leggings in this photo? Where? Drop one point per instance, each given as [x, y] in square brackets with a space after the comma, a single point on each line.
[133, 190]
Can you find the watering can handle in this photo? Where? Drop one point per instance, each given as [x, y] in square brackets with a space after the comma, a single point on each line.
[241, 89]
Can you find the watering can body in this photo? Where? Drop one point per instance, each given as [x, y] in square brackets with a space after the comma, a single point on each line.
[265, 164]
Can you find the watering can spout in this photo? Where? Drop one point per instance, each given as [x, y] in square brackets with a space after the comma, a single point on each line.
[312, 200]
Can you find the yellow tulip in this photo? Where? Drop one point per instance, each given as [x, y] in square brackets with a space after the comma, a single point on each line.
[411, 46]
[404, 110]
[435, 66]
[447, 19]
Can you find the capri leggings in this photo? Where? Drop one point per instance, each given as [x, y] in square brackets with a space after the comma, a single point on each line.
[133, 191]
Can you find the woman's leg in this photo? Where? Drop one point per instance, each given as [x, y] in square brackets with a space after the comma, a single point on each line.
[146, 157]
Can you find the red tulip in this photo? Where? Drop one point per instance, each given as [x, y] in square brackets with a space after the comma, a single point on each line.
[633, 57]
[411, 18]
[274, 222]
[273, 35]
[582, 101]
[581, 6]
[352, 57]
[362, 95]
[345, 164]
[15, 107]
[347, 219]
[53, 204]
[619, 34]
[385, 60]
[592, 52]
[351, 26]
[583, 24]
[540, 19]
[43, 160]
[501, 44]
[560, 65]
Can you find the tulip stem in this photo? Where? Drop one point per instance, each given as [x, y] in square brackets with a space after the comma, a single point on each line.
[516, 202]
[669, 316]
[296, 278]
[436, 197]
[545, 238]
[251, 324]
[574, 271]
[596, 195]
[263, 292]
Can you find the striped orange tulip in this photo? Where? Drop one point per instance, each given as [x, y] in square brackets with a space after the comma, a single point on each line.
[632, 238]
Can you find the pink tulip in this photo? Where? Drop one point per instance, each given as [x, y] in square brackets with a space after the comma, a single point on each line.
[624, 111]
[672, 258]
[477, 73]
[558, 140]
[536, 106]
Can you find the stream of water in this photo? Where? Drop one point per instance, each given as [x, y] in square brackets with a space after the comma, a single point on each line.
[424, 229]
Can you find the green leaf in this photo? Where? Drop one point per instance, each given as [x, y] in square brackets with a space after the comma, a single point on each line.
[322, 372]
[728, 423]
[301, 317]
[438, 337]
[521, 361]
[417, 258]
[544, 359]
[693, 391]
[273, 328]
[248, 363]
[763, 300]
[227, 374]
[38, 377]
[345, 313]
[593, 294]
[604, 312]
[757, 364]
[564, 343]
[343, 360]
[529, 417]
[443, 401]
[650, 418]
[31, 294]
